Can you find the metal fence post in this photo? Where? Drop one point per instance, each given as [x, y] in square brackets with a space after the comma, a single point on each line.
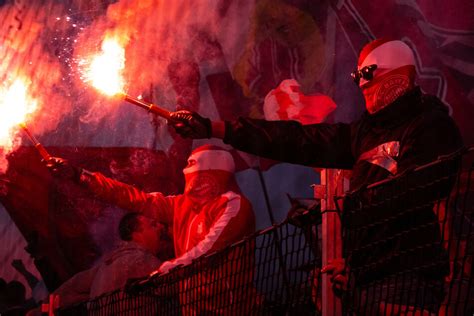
[332, 184]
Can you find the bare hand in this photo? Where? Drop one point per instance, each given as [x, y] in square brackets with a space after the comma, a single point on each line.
[337, 269]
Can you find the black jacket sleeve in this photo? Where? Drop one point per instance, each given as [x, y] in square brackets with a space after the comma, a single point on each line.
[317, 145]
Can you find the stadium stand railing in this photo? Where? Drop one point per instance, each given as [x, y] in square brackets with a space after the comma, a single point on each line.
[408, 244]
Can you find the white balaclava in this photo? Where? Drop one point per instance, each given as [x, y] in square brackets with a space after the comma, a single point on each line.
[209, 172]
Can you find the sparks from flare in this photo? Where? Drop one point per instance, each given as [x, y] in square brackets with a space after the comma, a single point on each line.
[15, 106]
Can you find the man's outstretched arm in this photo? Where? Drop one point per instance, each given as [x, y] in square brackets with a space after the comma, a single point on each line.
[317, 145]
[123, 195]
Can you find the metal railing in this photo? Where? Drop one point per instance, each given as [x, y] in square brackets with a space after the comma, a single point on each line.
[407, 243]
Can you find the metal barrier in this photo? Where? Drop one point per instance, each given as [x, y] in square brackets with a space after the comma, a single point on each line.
[407, 242]
[244, 279]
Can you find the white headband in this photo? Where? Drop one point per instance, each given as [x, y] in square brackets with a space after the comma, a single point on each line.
[210, 160]
[391, 55]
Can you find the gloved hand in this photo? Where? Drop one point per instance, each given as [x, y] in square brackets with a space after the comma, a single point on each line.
[61, 169]
[134, 286]
[303, 212]
[190, 124]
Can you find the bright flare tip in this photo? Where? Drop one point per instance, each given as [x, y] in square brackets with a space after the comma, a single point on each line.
[105, 70]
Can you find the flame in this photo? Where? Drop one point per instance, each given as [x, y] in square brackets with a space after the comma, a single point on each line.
[15, 106]
[105, 70]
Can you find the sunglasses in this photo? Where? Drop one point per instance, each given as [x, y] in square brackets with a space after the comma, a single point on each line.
[366, 73]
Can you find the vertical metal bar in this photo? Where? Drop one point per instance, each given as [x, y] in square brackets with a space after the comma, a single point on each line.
[331, 239]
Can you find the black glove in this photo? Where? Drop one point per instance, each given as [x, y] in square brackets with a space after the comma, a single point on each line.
[61, 169]
[190, 124]
[134, 286]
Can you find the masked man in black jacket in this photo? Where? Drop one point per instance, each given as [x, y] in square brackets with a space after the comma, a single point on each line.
[401, 129]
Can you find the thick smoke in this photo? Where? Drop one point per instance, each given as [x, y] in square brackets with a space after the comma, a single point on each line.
[157, 35]
[166, 43]
[25, 53]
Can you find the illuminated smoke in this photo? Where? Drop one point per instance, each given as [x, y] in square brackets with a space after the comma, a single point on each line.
[155, 34]
[24, 54]
[50, 41]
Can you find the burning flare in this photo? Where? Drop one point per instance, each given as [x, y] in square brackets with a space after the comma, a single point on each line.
[39, 147]
[15, 106]
[105, 70]
[105, 74]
